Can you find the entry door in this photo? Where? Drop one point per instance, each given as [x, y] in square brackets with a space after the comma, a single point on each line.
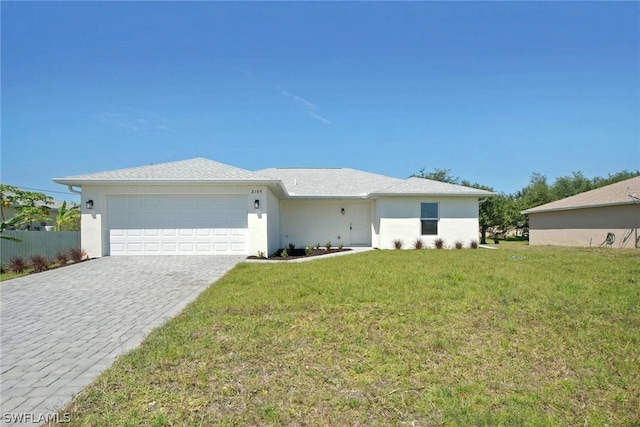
[360, 225]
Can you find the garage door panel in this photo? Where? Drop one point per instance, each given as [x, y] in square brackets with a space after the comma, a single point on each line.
[133, 247]
[169, 248]
[177, 225]
[152, 247]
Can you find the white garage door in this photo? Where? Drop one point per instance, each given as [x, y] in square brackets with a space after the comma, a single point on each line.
[178, 225]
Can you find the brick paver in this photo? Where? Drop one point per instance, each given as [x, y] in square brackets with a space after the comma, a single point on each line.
[61, 328]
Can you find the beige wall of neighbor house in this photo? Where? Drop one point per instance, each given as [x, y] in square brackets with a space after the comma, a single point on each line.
[95, 235]
[399, 218]
[309, 222]
[586, 226]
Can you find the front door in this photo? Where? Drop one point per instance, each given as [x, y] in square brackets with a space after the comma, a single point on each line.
[359, 225]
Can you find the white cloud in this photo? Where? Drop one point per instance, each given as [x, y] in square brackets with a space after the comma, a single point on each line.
[134, 120]
[309, 107]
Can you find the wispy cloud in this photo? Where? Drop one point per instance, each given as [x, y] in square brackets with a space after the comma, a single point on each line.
[308, 107]
[134, 120]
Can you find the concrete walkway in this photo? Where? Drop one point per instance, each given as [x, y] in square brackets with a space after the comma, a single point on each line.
[61, 328]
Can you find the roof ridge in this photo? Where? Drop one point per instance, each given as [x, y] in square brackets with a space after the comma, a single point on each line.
[306, 167]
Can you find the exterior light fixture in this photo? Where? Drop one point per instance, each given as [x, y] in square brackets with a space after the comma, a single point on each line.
[342, 211]
[256, 204]
[89, 204]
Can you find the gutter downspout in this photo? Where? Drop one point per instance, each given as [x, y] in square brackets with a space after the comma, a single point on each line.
[71, 189]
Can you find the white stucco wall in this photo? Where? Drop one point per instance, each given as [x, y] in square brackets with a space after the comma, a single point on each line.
[95, 235]
[399, 218]
[308, 222]
[273, 222]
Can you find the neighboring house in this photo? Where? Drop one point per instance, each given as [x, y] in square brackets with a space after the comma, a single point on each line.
[199, 206]
[54, 207]
[587, 218]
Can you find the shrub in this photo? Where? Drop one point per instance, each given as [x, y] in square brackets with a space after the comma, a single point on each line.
[418, 244]
[327, 245]
[317, 245]
[341, 246]
[473, 244]
[76, 254]
[308, 250]
[439, 243]
[459, 244]
[261, 255]
[39, 263]
[397, 243]
[16, 264]
[62, 258]
[284, 253]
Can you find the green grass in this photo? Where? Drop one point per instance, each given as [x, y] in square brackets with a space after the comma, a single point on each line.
[9, 275]
[518, 336]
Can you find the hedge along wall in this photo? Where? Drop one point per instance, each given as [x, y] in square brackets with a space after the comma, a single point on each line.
[47, 243]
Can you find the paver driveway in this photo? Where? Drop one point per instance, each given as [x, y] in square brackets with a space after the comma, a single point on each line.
[61, 328]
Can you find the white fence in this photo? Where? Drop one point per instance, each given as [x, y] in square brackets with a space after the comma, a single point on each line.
[47, 243]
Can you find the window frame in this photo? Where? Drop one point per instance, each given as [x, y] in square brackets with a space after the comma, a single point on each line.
[428, 218]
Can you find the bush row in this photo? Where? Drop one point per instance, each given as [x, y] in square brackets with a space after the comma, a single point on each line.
[39, 263]
[437, 244]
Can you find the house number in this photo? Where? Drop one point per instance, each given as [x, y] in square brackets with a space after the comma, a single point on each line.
[256, 191]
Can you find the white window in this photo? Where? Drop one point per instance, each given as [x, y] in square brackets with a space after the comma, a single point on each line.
[429, 219]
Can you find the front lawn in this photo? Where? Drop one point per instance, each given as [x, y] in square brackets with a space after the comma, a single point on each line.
[515, 336]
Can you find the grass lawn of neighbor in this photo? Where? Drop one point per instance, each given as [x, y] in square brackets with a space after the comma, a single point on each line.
[514, 336]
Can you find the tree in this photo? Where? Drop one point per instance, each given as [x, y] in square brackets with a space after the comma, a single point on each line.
[32, 206]
[442, 175]
[535, 194]
[567, 186]
[68, 219]
[598, 182]
[11, 222]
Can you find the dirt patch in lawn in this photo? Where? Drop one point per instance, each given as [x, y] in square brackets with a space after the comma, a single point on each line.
[299, 253]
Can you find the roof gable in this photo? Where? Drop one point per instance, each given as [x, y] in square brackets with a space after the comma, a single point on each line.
[618, 193]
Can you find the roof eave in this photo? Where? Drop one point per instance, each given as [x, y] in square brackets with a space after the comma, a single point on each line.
[275, 185]
[324, 196]
[572, 208]
[81, 182]
[478, 195]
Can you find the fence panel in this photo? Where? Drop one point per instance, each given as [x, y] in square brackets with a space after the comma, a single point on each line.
[47, 243]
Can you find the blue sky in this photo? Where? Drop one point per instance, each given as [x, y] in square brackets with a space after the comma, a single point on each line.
[493, 91]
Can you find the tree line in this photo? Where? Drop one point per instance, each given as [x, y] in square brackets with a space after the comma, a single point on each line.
[502, 211]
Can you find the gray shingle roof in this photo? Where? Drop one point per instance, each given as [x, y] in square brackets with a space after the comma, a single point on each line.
[329, 182]
[613, 194]
[198, 169]
[298, 182]
[422, 186]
